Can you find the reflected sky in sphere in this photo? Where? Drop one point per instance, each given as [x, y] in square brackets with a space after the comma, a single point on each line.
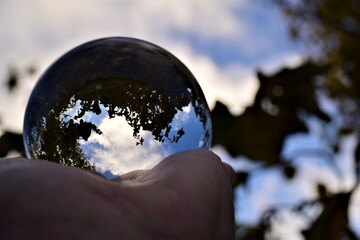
[114, 105]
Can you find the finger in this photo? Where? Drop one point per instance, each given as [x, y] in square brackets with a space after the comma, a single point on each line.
[130, 176]
[203, 153]
[13, 162]
[231, 173]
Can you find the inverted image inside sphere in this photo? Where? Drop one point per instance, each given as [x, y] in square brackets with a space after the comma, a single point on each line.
[114, 105]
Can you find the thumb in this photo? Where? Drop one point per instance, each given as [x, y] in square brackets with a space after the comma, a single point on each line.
[131, 176]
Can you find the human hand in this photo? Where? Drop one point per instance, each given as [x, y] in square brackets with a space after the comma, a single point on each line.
[187, 195]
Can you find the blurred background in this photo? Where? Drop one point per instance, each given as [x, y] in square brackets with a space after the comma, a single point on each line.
[281, 77]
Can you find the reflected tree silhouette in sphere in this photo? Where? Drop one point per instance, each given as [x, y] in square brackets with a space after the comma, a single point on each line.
[113, 105]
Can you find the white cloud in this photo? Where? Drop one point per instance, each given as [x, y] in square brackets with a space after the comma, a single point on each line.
[273, 64]
[234, 85]
[118, 151]
[211, 20]
[44, 24]
[354, 211]
[41, 31]
[287, 224]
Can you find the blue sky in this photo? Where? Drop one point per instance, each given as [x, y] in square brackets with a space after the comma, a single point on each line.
[223, 43]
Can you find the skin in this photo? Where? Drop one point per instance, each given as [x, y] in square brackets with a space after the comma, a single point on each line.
[188, 195]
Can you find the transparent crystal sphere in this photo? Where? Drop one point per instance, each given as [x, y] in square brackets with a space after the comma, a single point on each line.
[114, 105]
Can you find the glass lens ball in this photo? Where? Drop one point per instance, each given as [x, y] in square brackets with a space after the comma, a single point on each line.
[114, 105]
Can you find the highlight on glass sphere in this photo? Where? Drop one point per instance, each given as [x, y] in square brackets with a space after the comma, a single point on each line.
[114, 105]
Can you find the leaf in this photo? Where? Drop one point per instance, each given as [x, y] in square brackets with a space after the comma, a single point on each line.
[252, 233]
[12, 80]
[345, 131]
[289, 171]
[357, 162]
[31, 70]
[322, 191]
[259, 133]
[11, 141]
[332, 223]
[241, 178]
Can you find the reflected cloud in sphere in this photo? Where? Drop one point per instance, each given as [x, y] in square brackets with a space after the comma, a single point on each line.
[114, 105]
